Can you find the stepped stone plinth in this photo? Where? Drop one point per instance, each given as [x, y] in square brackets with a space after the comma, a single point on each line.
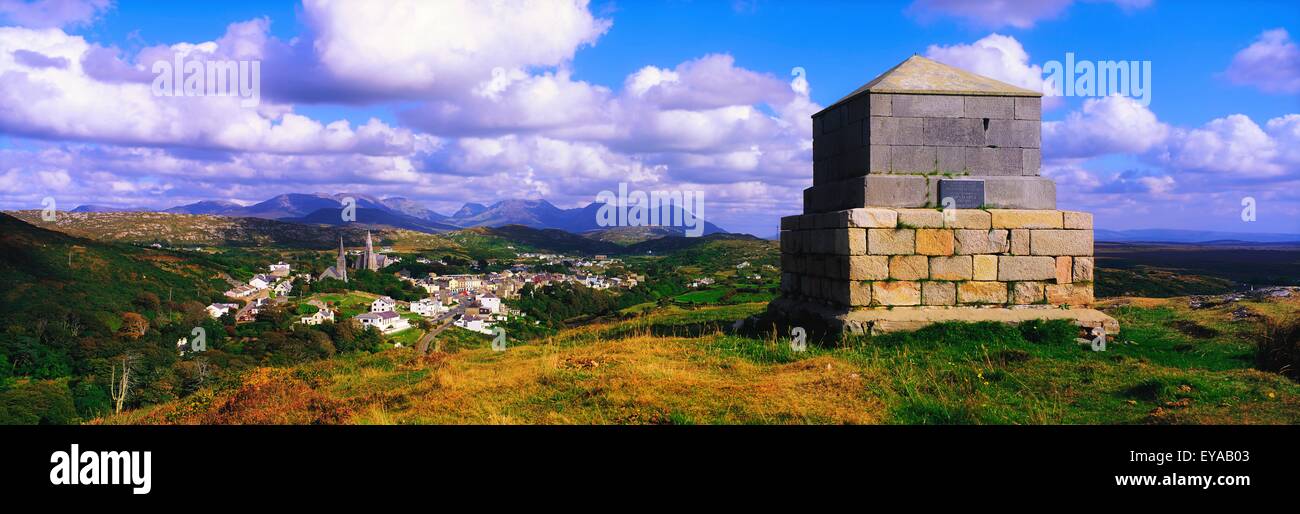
[927, 206]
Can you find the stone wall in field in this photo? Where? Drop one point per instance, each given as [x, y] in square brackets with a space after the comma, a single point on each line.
[884, 257]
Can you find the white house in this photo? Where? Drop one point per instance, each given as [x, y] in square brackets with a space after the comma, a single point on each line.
[428, 307]
[283, 287]
[318, 317]
[386, 321]
[475, 324]
[383, 304]
[490, 303]
[280, 269]
[218, 310]
[262, 281]
[241, 291]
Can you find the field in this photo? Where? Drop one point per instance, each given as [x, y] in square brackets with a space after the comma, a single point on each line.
[677, 365]
[1165, 270]
[348, 304]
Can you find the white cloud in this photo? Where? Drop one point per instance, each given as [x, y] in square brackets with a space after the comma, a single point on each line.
[708, 82]
[1271, 63]
[1021, 14]
[411, 46]
[1232, 145]
[1108, 125]
[705, 115]
[1285, 131]
[65, 102]
[999, 57]
[52, 13]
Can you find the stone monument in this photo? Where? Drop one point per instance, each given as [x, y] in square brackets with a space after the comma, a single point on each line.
[927, 206]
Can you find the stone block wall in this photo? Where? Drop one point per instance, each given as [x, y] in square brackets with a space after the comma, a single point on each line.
[881, 257]
[927, 133]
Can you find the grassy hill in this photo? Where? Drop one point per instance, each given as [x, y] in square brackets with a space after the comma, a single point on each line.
[632, 235]
[178, 230]
[43, 272]
[717, 252]
[678, 366]
[532, 239]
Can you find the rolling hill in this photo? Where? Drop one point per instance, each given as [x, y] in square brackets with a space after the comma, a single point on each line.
[43, 272]
[371, 218]
[632, 235]
[179, 230]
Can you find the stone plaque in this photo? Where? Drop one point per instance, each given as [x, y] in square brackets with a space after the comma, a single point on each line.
[968, 194]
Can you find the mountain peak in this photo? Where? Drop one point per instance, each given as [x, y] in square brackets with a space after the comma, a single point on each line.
[470, 209]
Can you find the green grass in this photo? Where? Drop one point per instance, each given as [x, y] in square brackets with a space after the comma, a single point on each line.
[456, 339]
[347, 304]
[705, 296]
[406, 337]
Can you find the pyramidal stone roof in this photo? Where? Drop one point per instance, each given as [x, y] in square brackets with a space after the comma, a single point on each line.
[921, 76]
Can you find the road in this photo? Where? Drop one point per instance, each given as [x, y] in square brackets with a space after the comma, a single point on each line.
[422, 347]
[252, 299]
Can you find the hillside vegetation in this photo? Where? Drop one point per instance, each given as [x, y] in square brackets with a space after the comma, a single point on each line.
[679, 366]
[176, 230]
[182, 230]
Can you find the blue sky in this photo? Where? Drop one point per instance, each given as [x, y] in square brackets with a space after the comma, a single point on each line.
[607, 92]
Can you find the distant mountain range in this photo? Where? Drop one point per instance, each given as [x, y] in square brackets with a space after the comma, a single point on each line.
[399, 212]
[1157, 235]
[377, 218]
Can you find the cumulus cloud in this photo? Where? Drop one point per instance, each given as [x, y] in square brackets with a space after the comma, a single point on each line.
[1231, 145]
[681, 117]
[49, 93]
[708, 82]
[1271, 63]
[1116, 159]
[1108, 125]
[413, 46]
[995, 56]
[1234, 147]
[1020, 14]
[52, 13]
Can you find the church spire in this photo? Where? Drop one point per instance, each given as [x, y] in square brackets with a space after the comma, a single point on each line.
[341, 265]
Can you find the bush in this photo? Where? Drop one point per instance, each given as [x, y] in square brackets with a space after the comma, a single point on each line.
[1278, 348]
[40, 402]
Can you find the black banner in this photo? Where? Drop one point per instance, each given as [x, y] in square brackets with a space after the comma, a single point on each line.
[326, 463]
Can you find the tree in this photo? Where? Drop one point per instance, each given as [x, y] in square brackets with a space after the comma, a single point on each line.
[40, 402]
[193, 313]
[147, 301]
[121, 385]
[134, 325]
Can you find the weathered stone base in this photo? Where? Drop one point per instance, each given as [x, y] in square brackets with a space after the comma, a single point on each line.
[878, 257]
[920, 191]
[821, 320]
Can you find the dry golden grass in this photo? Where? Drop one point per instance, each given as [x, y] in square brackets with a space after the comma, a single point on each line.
[639, 380]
